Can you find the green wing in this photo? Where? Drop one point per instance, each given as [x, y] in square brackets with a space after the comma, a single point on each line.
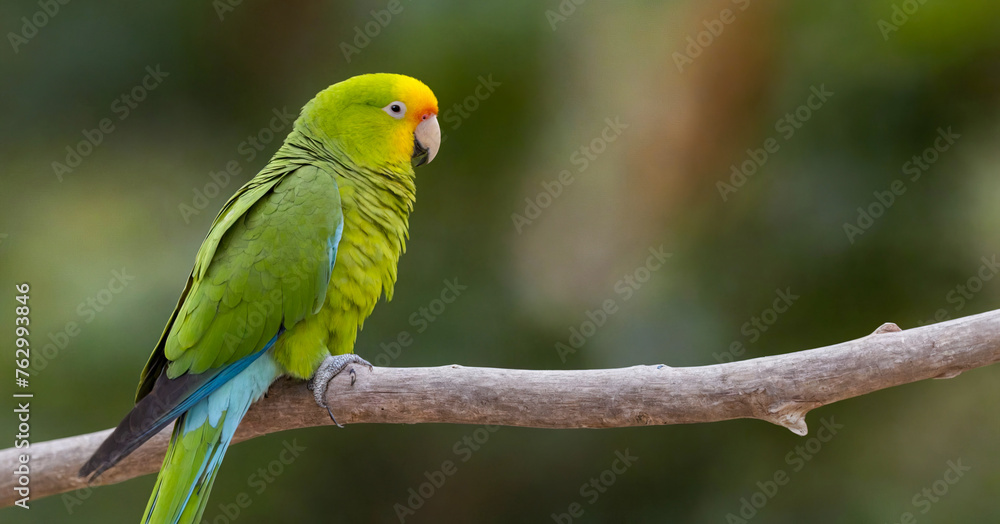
[265, 264]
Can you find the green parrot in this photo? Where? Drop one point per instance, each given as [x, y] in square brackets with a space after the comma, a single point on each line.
[290, 269]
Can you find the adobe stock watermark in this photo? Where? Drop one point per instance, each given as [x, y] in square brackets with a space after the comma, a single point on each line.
[592, 490]
[706, 37]
[757, 325]
[420, 319]
[625, 288]
[224, 7]
[248, 149]
[915, 167]
[562, 12]
[925, 499]
[364, 33]
[900, 16]
[962, 293]
[87, 310]
[463, 449]
[48, 9]
[122, 106]
[786, 127]
[257, 483]
[461, 111]
[581, 157]
[797, 458]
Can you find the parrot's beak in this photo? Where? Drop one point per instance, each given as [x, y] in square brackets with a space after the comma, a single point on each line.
[426, 141]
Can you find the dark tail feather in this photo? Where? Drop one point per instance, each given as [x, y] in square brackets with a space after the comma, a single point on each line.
[168, 399]
[154, 412]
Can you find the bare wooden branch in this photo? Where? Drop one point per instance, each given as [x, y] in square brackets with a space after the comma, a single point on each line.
[780, 389]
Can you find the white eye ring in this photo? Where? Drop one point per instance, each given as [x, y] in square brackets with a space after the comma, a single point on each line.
[396, 110]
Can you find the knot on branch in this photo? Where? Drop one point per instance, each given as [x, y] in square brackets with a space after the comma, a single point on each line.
[791, 415]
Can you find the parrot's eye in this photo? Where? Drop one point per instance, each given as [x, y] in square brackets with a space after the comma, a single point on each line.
[395, 109]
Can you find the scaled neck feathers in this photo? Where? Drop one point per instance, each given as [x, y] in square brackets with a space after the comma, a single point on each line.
[382, 197]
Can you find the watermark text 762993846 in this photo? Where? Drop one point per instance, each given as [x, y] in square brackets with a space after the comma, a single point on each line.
[22, 355]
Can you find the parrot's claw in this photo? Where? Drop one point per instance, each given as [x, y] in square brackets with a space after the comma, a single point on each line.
[331, 367]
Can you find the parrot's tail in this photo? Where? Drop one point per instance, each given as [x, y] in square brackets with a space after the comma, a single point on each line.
[199, 441]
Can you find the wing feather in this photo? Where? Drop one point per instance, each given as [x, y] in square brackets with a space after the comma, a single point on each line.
[248, 280]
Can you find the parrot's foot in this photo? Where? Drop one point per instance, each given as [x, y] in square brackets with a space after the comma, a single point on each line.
[331, 367]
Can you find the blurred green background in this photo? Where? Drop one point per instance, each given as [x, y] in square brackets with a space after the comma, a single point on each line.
[691, 110]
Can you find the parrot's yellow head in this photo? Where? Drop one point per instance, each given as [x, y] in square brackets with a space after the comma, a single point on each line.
[378, 120]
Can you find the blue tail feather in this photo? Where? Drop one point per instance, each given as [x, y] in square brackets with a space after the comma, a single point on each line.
[199, 442]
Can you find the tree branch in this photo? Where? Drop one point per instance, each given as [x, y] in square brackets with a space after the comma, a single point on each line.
[780, 389]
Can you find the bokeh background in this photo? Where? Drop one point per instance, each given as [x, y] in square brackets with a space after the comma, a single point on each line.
[557, 71]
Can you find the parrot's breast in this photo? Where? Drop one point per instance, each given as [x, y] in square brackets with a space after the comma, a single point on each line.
[376, 221]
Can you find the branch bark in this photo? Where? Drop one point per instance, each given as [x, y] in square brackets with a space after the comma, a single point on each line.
[779, 389]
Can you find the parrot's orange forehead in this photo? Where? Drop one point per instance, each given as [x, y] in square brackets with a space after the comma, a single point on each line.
[419, 98]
